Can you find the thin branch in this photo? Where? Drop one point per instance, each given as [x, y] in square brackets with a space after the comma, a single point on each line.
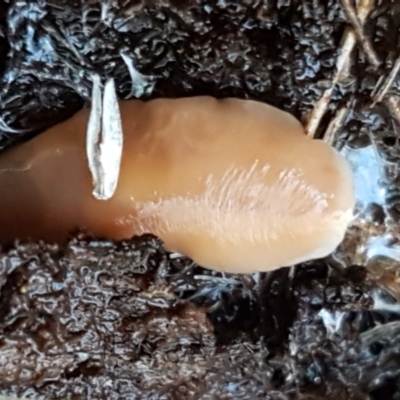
[335, 125]
[394, 107]
[343, 62]
[380, 93]
[357, 18]
[342, 68]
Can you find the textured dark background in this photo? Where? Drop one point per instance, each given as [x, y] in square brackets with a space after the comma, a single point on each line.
[98, 320]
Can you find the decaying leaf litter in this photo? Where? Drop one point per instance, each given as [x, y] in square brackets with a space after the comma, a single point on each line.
[103, 320]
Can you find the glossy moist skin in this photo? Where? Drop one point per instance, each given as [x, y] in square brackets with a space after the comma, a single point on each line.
[234, 184]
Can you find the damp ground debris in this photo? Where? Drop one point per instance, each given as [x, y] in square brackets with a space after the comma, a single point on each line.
[103, 320]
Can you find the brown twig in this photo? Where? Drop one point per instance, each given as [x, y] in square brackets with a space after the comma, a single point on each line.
[379, 94]
[393, 104]
[335, 124]
[342, 67]
[357, 18]
[363, 9]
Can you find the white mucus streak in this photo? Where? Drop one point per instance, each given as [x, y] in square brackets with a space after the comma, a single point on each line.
[104, 139]
[104, 136]
[94, 130]
[110, 146]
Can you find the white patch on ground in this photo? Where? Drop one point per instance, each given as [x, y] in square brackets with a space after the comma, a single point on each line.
[368, 173]
[332, 321]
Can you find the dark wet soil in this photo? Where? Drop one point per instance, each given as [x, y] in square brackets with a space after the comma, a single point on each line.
[101, 320]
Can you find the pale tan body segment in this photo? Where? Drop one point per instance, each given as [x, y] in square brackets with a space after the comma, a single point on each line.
[234, 184]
